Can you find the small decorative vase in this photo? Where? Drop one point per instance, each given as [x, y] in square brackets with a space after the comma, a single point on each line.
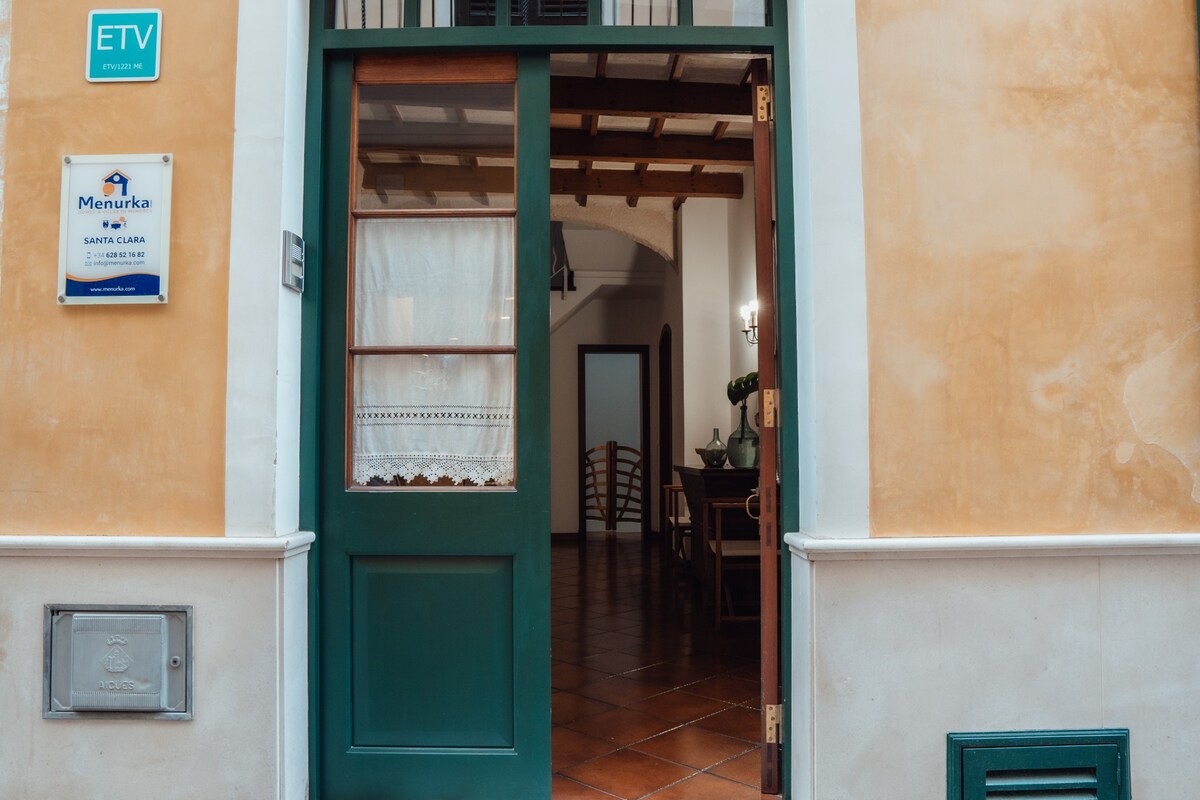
[743, 445]
[714, 452]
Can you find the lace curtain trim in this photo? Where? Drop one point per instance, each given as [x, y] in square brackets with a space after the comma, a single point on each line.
[479, 470]
[457, 416]
[475, 468]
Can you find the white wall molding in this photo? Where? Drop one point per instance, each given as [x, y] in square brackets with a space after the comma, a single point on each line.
[831, 264]
[276, 547]
[262, 411]
[1016, 546]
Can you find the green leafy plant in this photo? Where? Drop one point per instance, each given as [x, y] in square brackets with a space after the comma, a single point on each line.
[740, 389]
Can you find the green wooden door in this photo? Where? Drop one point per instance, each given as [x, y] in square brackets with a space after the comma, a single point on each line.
[433, 555]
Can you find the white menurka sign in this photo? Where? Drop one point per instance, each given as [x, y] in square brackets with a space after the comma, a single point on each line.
[115, 229]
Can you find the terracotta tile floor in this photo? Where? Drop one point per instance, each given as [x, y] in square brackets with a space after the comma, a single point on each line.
[648, 700]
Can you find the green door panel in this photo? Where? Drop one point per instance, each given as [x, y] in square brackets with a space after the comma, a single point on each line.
[416, 684]
[433, 661]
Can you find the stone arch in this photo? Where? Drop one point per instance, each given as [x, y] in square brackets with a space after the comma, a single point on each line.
[651, 223]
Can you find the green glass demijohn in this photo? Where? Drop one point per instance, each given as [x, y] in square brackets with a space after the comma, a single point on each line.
[743, 442]
[743, 445]
[714, 452]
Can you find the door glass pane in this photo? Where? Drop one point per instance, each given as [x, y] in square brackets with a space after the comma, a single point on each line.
[639, 12]
[738, 13]
[434, 281]
[457, 13]
[435, 146]
[368, 13]
[446, 13]
[433, 420]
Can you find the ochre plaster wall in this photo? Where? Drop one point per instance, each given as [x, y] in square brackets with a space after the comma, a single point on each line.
[1031, 177]
[112, 417]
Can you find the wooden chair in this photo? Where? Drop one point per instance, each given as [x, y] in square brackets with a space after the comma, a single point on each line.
[729, 555]
[612, 485]
[676, 524]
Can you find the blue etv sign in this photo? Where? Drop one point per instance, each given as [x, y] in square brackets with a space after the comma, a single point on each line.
[124, 44]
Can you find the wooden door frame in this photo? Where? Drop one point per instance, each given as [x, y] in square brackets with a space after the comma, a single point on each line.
[769, 451]
[330, 53]
[643, 353]
[666, 415]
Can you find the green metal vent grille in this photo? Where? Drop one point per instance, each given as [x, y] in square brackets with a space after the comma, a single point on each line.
[1051, 784]
[1038, 765]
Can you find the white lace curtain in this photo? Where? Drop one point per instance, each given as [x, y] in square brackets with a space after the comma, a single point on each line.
[434, 282]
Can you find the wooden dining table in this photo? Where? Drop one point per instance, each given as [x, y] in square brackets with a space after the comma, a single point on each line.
[702, 484]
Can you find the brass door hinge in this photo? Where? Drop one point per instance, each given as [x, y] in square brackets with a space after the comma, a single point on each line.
[762, 104]
[774, 724]
[770, 408]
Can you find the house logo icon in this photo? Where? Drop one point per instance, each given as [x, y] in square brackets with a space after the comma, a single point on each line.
[113, 181]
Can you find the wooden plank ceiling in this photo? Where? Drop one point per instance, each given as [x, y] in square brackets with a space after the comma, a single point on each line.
[650, 111]
[628, 125]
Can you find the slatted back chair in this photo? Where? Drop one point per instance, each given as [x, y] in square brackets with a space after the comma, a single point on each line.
[612, 485]
[731, 554]
[676, 524]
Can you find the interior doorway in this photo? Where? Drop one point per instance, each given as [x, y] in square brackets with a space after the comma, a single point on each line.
[666, 422]
[666, 205]
[614, 439]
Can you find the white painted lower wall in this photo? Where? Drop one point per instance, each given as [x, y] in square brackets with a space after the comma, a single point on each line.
[898, 642]
[249, 736]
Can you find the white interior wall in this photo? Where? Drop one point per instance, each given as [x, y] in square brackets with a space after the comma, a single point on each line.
[743, 287]
[717, 268]
[707, 311]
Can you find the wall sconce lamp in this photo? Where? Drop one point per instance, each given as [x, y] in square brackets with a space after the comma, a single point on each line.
[749, 314]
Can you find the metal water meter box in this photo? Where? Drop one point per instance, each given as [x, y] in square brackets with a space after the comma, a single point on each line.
[129, 660]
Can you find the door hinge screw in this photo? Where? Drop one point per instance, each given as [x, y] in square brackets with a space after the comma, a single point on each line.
[774, 724]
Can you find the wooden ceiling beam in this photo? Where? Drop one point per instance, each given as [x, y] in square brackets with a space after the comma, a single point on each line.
[626, 147]
[422, 178]
[591, 123]
[718, 135]
[636, 97]
[674, 73]
[676, 70]
[627, 183]
[630, 147]
[477, 139]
